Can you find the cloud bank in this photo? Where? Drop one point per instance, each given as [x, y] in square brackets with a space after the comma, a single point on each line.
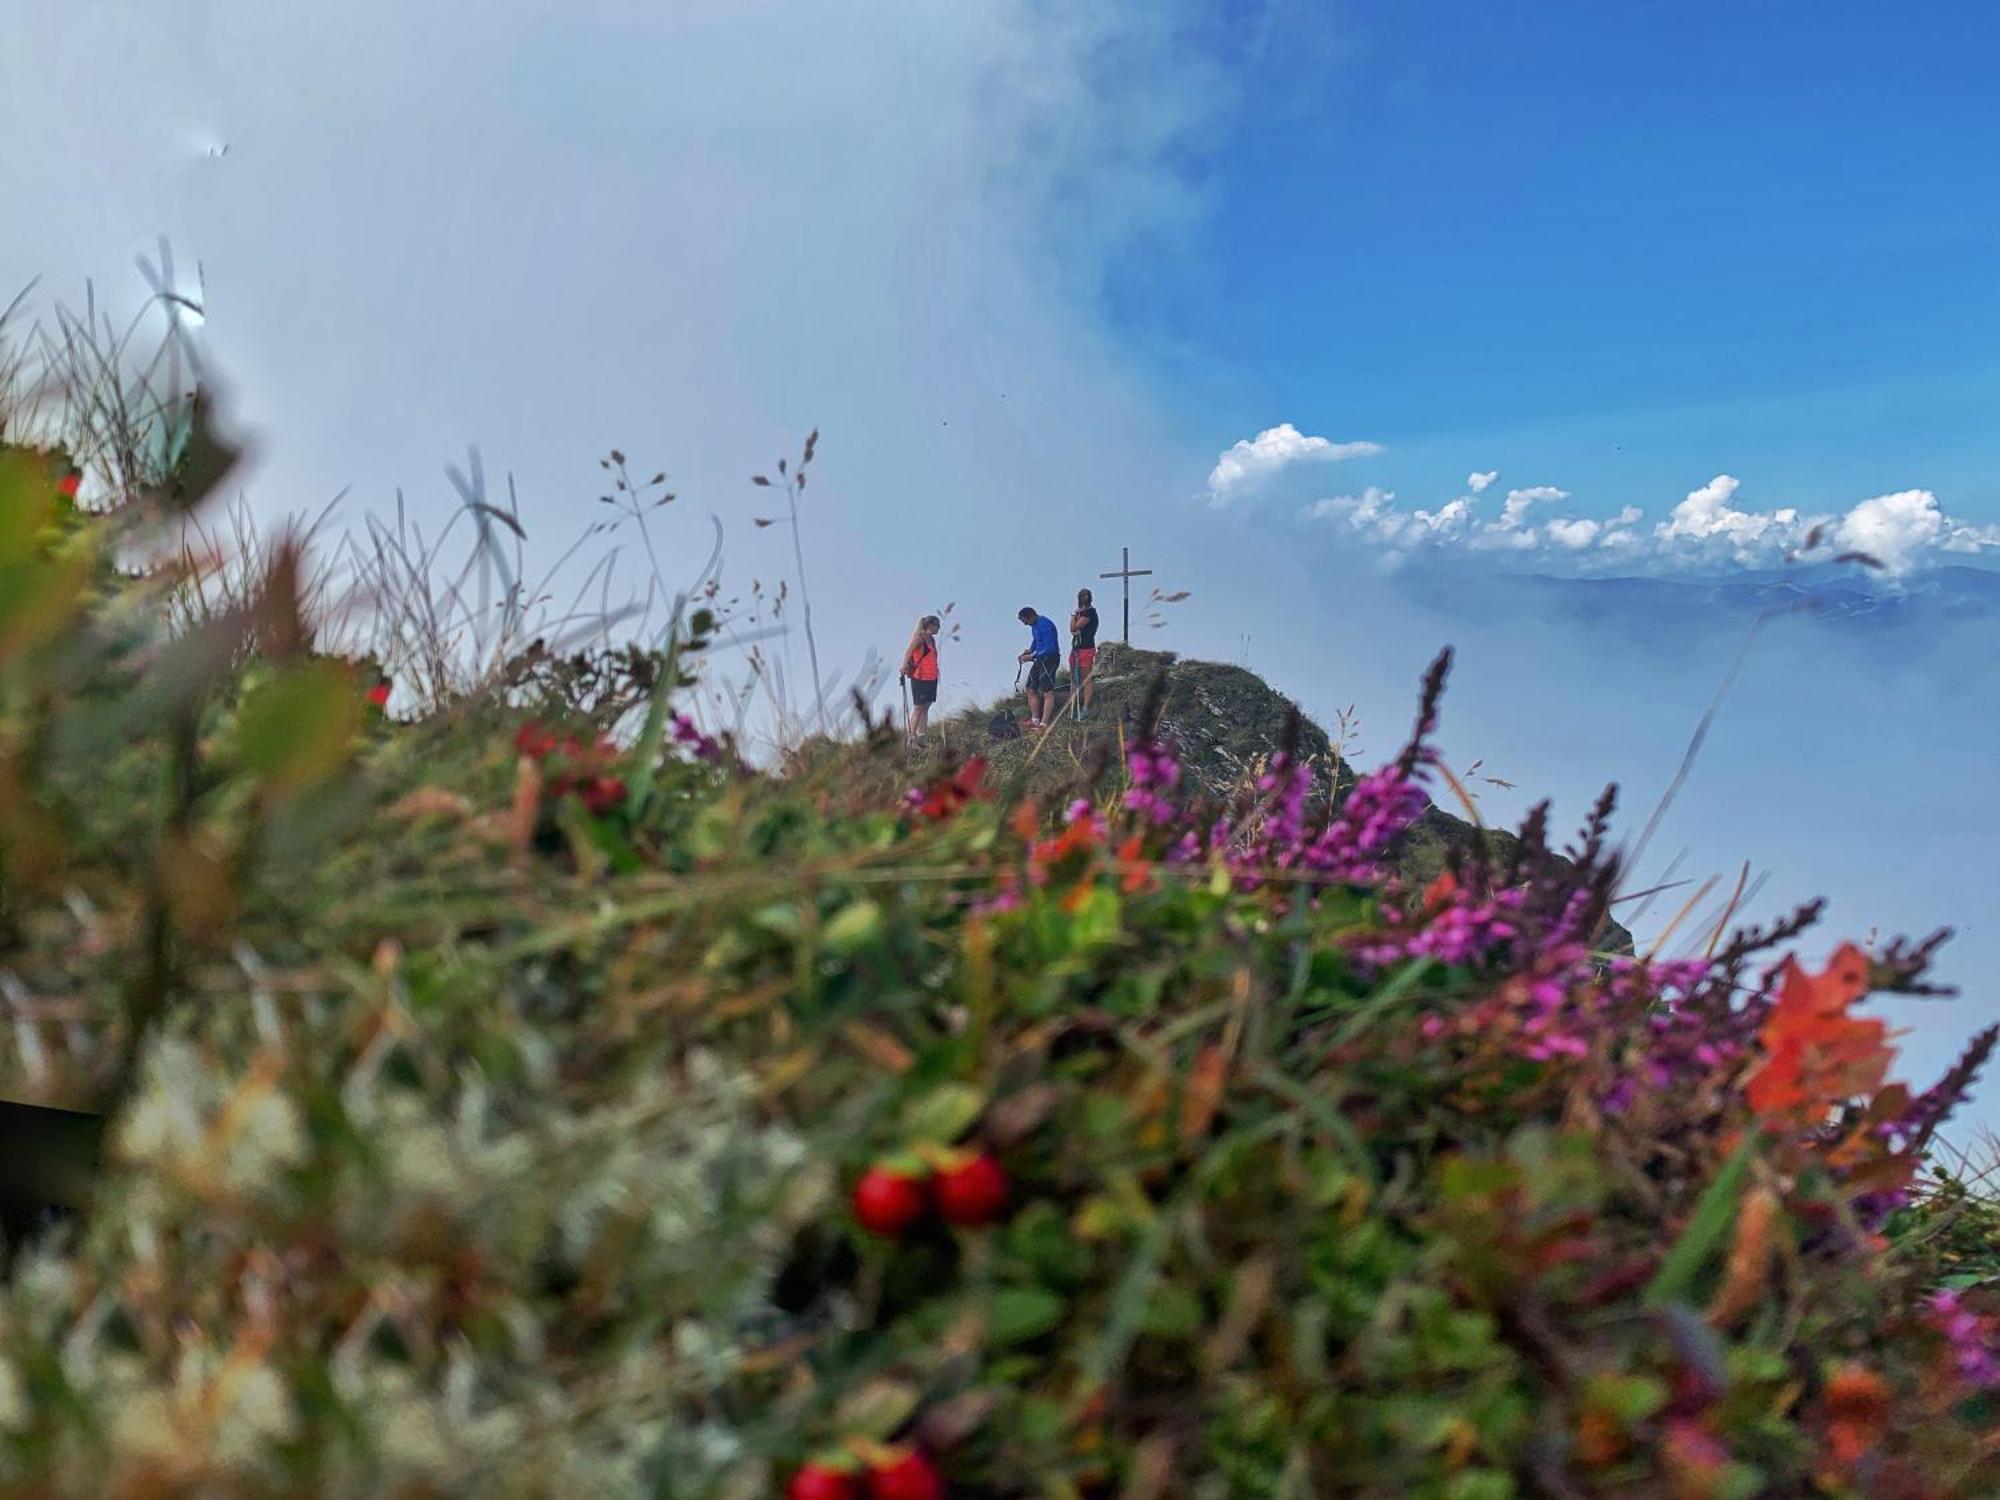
[694, 232]
[1709, 527]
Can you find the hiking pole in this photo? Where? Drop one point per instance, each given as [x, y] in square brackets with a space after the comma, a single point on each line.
[904, 683]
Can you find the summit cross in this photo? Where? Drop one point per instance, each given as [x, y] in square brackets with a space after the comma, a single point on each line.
[1127, 572]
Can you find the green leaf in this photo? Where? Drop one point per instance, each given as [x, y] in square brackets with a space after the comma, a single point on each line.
[853, 927]
[1629, 1399]
[1020, 1313]
[780, 918]
[1043, 1420]
[878, 1409]
[1479, 1484]
[27, 500]
[299, 728]
[1399, 985]
[1127, 1308]
[944, 1114]
[646, 754]
[37, 596]
[1705, 1231]
[1174, 1312]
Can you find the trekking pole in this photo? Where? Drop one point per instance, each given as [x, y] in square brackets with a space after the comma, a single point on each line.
[904, 683]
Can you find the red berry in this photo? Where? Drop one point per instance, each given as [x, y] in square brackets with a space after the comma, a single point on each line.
[604, 794]
[906, 1476]
[68, 485]
[379, 695]
[822, 1481]
[534, 741]
[971, 1192]
[888, 1201]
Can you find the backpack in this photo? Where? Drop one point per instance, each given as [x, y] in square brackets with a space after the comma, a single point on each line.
[1004, 726]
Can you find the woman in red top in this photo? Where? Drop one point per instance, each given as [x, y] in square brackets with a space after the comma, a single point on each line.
[920, 670]
[1083, 652]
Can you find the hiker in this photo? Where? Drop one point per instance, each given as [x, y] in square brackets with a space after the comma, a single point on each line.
[920, 671]
[1083, 652]
[1044, 654]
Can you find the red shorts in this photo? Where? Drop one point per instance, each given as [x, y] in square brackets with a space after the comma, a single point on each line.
[1081, 660]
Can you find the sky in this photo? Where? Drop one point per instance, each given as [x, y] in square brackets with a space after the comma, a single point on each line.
[1619, 248]
[1300, 301]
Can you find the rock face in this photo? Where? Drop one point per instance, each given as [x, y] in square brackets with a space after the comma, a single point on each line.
[1225, 721]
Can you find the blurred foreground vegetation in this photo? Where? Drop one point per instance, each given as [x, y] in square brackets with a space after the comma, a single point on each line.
[485, 1086]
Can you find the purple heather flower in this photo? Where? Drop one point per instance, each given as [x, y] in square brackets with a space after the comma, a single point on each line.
[1973, 1340]
[687, 733]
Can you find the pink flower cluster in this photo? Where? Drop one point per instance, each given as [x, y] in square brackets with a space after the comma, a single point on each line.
[1674, 1037]
[1276, 836]
[1155, 773]
[1974, 1340]
[688, 735]
[1461, 927]
[1382, 805]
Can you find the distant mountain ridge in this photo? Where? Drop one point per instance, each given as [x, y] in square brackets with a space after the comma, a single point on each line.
[1847, 596]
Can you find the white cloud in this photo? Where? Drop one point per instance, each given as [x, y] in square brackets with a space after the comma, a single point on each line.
[1478, 482]
[1710, 517]
[1504, 539]
[1364, 510]
[1520, 502]
[1451, 519]
[1253, 462]
[1708, 526]
[1893, 529]
[1961, 537]
[1575, 533]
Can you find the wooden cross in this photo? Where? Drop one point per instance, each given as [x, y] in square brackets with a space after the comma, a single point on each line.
[1128, 573]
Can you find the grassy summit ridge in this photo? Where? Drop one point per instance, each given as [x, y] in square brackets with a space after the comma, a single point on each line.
[1224, 721]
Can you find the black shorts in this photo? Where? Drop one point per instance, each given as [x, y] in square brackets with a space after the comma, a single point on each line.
[1042, 674]
[923, 691]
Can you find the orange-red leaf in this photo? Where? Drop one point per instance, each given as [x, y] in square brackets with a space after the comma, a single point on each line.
[1857, 1409]
[1816, 1055]
[1203, 1093]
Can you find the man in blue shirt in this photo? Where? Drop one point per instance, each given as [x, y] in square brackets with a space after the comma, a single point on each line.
[1045, 652]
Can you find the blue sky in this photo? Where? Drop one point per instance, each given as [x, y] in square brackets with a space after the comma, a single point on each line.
[1614, 247]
